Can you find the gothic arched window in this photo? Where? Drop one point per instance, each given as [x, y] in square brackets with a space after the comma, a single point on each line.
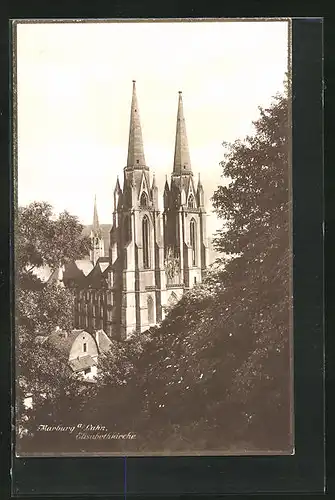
[150, 302]
[144, 200]
[191, 203]
[193, 240]
[145, 237]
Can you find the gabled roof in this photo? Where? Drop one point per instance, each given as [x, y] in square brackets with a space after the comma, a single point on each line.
[77, 270]
[84, 265]
[82, 363]
[98, 275]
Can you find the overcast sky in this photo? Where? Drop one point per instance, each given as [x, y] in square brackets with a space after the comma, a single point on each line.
[74, 93]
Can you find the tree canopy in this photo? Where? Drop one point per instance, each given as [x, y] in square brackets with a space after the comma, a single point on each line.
[41, 239]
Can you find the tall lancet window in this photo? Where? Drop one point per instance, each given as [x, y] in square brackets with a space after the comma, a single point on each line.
[144, 200]
[145, 237]
[191, 202]
[193, 240]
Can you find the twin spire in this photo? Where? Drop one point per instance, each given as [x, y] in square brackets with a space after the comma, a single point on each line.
[181, 162]
[136, 158]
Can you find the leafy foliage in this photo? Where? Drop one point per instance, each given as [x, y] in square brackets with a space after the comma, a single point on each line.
[42, 239]
[41, 370]
[219, 365]
[256, 197]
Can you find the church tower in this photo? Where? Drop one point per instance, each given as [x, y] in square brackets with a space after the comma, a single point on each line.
[137, 274]
[97, 242]
[185, 240]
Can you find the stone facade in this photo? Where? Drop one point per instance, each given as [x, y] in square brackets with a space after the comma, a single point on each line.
[154, 256]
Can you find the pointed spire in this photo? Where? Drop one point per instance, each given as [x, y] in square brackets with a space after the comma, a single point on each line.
[154, 186]
[117, 185]
[95, 226]
[200, 193]
[182, 163]
[166, 186]
[136, 157]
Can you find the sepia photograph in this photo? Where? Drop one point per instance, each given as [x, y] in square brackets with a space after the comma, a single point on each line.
[153, 237]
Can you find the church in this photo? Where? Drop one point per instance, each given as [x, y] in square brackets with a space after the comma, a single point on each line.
[150, 257]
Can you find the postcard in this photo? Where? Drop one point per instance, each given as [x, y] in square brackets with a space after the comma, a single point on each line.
[153, 256]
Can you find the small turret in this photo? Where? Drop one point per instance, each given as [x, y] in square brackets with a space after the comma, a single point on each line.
[200, 193]
[117, 194]
[154, 192]
[166, 194]
[97, 242]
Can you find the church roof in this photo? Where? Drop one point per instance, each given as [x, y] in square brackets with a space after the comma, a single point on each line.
[182, 162]
[84, 265]
[135, 157]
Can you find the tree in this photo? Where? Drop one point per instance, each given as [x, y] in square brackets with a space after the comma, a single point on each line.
[258, 170]
[216, 374]
[43, 240]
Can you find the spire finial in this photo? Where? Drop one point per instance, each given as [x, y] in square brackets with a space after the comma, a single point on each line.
[95, 226]
[182, 163]
[154, 181]
[136, 157]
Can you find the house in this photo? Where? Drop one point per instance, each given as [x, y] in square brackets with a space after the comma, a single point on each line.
[82, 349]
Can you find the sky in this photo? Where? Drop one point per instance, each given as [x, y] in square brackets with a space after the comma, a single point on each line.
[74, 86]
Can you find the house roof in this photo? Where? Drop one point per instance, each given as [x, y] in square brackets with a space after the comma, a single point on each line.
[62, 340]
[103, 341]
[81, 363]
